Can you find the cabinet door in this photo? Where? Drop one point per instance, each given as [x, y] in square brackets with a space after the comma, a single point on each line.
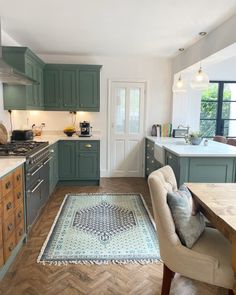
[173, 162]
[88, 90]
[52, 88]
[67, 164]
[88, 165]
[68, 89]
[30, 89]
[53, 167]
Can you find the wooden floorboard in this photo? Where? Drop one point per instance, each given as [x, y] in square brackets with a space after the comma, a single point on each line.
[28, 277]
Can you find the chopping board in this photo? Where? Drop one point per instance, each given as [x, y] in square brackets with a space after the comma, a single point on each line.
[3, 134]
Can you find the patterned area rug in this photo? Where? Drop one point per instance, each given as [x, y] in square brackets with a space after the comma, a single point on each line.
[101, 229]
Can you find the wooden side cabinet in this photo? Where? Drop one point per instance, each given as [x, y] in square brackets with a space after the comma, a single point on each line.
[12, 220]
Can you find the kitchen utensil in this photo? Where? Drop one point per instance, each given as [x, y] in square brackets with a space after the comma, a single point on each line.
[180, 133]
[22, 135]
[3, 134]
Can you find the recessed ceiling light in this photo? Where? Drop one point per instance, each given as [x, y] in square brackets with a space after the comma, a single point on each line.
[181, 49]
[202, 33]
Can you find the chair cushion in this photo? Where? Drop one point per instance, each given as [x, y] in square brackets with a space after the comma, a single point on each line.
[189, 224]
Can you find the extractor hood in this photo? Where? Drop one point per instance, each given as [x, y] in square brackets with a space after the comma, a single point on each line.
[9, 75]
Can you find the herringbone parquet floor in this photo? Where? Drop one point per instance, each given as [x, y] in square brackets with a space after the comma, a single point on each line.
[29, 278]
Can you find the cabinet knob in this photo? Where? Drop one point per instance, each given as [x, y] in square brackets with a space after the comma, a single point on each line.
[7, 185]
[152, 161]
[18, 195]
[148, 169]
[18, 177]
[19, 214]
[9, 205]
[88, 146]
[170, 157]
[152, 148]
[11, 247]
[10, 226]
[147, 145]
[52, 151]
[21, 232]
[148, 157]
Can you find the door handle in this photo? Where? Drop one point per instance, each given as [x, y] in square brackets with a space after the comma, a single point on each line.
[88, 146]
[37, 186]
[47, 161]
[32, 174]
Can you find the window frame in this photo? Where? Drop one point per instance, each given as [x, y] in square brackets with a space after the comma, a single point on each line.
[220, 100]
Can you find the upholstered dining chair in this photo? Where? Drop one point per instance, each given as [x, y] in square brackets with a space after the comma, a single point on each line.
[209, 258]
[220, 138]
[231, 141]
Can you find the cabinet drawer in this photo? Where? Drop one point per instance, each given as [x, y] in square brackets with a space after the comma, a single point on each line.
[18, 177]
[7, 184]
[20, 231]
[8, 227]
[18, 196]
[150, 147]
[88, 145]
[9, 245]
[19, 215]
[8, 205]
[1, 257]
[1, 191]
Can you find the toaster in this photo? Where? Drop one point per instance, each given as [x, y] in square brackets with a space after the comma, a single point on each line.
[22, 135]
[180, 133]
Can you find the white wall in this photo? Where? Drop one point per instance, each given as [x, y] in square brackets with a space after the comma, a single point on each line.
[157, 73]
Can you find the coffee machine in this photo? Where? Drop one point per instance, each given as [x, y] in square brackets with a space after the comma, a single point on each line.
[85, 129]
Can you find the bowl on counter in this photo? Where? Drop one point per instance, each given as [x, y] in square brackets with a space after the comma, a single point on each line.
[195, 140]
[69, 133]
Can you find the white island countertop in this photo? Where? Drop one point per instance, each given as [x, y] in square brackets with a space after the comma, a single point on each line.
[9, 164]
[54, 138]
[179, 147]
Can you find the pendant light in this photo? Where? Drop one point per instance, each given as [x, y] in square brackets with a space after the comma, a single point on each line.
[200, 81]
[179, 85]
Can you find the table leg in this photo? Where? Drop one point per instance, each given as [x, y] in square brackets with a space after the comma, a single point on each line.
[234, 260]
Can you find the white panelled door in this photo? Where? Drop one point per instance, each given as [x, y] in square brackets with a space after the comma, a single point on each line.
[127, 129]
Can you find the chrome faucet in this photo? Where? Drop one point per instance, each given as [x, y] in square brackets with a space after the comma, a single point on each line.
[186, 137]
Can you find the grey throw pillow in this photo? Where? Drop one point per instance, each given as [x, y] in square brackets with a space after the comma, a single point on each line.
[189, 224]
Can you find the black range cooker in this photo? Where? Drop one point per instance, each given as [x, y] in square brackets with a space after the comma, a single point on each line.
[36, 173]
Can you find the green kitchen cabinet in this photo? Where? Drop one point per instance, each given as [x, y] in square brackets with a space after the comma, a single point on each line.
[22, 97]
[79, 162]
[67, 158]
[89, 88]
[201, 169]
[72, 87]
[53, 166]
[151, 164]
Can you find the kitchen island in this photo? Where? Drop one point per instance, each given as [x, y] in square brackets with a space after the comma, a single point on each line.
[214, 162]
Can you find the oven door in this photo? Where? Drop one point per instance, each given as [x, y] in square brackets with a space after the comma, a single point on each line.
[44, 174]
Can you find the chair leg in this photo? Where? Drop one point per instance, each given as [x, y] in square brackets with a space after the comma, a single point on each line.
[231, 292]
[167, 278]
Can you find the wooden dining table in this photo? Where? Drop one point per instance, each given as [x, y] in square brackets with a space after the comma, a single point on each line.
[217, 201]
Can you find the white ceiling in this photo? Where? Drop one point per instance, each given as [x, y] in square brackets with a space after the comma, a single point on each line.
[111, 27]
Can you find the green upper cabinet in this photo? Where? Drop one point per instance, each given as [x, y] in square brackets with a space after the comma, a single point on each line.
[89, 89]
[24, 97]
[72, 87]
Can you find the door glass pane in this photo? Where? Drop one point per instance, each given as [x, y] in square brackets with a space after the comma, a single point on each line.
[229, 110]
[120, 110]
[211, 93]
[208, 110]
[229, 91]
[208, 128]
[229, 128]
[134, 110]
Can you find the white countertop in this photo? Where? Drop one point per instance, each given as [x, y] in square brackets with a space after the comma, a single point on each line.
[178, 147]
[54, 138]
[9, 164]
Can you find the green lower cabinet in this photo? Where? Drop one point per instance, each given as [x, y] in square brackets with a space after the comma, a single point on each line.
[79, 162]
[199, 169]
[53, 166]
[151, 164]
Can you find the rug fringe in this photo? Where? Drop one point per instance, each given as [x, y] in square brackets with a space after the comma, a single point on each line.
[101, 262]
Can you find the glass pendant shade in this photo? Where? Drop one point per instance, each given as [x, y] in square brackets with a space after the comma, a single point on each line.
[200, 81]
[179, 86]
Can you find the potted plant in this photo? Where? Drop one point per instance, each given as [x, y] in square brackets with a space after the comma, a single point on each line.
[195, 138]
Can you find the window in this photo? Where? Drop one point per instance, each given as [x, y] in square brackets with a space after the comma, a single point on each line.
[218, 109]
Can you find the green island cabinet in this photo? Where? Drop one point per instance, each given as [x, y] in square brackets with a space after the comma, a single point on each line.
[201, 169]
[53, 167]
[79, 162]
[22, 97]
[72, 87]
[151, 164]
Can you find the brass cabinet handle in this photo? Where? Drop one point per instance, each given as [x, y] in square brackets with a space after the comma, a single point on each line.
[88, 146]
[19, 214]
[11, 247]
[9, 205]
[18, 195]
[18, 177]
[10, 226]
[7, 185]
